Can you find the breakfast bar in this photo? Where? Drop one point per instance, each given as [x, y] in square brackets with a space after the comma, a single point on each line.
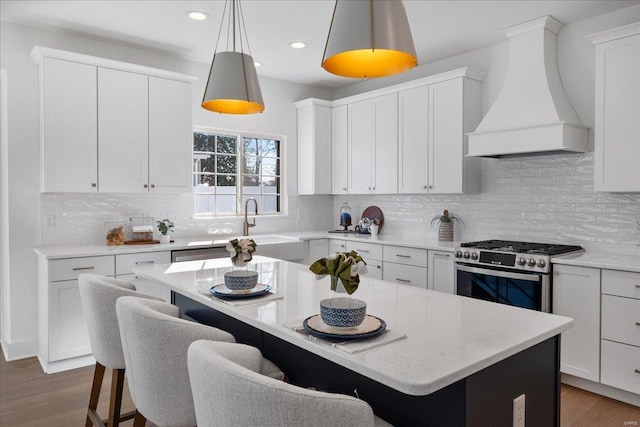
[463, 360]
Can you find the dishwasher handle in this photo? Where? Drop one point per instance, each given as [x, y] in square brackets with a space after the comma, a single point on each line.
[199, 254]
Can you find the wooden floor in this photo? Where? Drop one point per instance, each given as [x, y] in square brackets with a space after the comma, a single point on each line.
[30, 398]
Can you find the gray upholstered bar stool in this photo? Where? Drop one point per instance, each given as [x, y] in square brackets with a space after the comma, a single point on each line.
[229, 391]
[98, 295]
[155, 342]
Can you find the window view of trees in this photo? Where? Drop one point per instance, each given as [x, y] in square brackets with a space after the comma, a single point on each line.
[221, 161]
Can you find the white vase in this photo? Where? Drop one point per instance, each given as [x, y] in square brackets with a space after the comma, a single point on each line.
[165, 238]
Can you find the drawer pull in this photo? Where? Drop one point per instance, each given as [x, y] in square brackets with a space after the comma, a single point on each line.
[403, 280]
[638, 286]
[362, 250]
[378, 267]
[637, 371]
[403, 256]
[637, 323]
[82, 268]
[442, 255]
[144, 262]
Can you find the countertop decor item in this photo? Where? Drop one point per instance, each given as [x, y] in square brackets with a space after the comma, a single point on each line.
[241, 251]
[240, 280]
[165, 227]
[115, 233]
[141, 230]
[345, 266]
[343, 312]
[369, 216]
[445, 225]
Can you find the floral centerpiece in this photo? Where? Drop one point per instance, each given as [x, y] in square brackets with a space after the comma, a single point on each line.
[344, 268]
[241, 252]
[445, 224]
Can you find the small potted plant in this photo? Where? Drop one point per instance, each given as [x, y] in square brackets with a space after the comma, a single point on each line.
[165, 227]
[374, 227]
[445, 225]
[241, 252]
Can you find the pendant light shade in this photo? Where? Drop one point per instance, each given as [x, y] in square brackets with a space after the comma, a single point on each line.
[233, 86]
[369, 38]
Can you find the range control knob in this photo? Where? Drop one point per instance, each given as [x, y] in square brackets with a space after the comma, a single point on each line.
[531, 262]
[542, 263]
[474, 255]
[522, 261]
[458, 254]
[466, 255]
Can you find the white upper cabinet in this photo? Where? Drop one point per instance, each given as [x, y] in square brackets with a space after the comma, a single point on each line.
[109, 126]
[339, 152]
[123, 129]
[373, 127]
[617, 110]
[432, 143]
[68, 138]
[314, 146]
[170, 136]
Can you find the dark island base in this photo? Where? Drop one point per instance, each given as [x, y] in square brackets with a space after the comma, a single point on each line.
[482, 399]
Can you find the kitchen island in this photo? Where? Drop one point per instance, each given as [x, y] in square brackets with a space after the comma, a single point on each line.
[462, 363]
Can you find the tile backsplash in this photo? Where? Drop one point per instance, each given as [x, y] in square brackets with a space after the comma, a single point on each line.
[546, 198]
[538, 198]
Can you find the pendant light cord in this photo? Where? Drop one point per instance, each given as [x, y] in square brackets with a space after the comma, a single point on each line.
[224, 11]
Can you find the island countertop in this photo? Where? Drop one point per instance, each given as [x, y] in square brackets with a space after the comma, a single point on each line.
[449, 337]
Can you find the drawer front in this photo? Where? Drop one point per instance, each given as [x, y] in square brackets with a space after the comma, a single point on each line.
[621, 319]
[402, 255]
[374, 269]
[70, 269]
[621, 366]
[337, 246]
[126, 262]
[621, 283]
[366, 250]
[405, 274]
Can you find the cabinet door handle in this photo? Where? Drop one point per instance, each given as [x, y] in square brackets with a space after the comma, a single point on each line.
[403, 280]
[82, 268]
[638, 286]
[344, 189]
[637, 371]
[94, 185]
[153, 186]
[146, 186]
[637, 323]
[403, 256]
[362, 250]
[144, 262]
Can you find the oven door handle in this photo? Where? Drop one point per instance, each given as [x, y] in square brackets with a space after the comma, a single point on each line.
[507, 274]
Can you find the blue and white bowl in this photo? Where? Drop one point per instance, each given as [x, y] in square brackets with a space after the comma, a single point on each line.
[239, 280]
[343, 312]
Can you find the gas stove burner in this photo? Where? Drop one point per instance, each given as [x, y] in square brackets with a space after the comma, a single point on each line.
[532, 248]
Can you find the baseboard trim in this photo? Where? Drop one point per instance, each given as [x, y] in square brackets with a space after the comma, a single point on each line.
[66, 364]
[601, 389]
[19, 349]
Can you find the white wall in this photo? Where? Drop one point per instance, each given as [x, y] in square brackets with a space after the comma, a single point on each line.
[544, 198]
[80, 218]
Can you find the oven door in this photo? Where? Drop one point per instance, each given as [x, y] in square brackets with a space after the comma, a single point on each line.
[527, 290]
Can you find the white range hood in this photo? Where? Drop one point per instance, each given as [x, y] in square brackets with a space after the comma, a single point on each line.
[532, 113]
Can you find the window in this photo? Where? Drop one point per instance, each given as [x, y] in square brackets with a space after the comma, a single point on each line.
[229, 168]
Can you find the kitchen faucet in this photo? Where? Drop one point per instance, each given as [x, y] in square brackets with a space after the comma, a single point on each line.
[246, 224]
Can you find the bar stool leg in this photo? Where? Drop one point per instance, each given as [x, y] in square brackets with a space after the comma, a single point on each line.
[117, 384]
[139, 420]
[98, 375]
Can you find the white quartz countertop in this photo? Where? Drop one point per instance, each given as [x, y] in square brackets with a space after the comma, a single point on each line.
[74, 251]
[602, 260]
[448, 337]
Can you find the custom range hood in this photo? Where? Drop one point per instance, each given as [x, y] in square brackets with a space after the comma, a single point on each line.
[532, 113]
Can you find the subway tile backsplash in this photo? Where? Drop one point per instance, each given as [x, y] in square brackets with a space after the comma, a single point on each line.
[547, 198]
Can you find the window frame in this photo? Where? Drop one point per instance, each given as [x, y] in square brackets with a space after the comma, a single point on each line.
[240, 196]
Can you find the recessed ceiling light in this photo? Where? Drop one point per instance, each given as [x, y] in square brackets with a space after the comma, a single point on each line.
[298, 45]
[257, 64]
[197, 15]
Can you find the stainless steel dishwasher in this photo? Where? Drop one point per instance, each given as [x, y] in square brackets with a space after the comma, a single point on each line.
[199, 253]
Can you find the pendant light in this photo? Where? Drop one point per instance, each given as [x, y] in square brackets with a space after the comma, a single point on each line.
[369, 38]
[233, 86]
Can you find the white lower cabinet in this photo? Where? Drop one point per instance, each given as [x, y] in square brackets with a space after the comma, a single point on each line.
[336, 246]
[62, 331]
[405, 265]
[620, 358]
[125, 264]
[440, 270]
[315, 250]
[576, 294]
[371, 253]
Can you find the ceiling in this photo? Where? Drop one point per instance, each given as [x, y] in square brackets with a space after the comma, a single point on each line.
[440, 28]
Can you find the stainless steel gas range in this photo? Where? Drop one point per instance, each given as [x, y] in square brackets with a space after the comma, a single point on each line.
[508, 272]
